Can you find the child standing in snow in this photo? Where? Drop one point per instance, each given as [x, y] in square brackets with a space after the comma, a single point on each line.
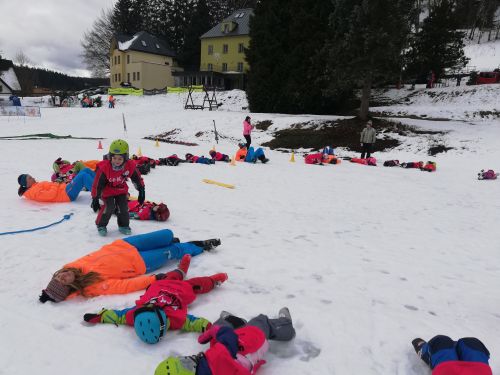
[164, 305]
[110, 186]
[121, 266]
[247, 131]
[467, 356]
[236, 347]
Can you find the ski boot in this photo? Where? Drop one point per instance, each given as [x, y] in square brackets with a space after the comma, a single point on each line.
[418, 344]
[207, 245]
[125, 230]
[103, 231]
[218, 278]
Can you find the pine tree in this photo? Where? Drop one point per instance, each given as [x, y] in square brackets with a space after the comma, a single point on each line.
[155, 17]
[285, 38]
[200, 21]
[365, 44]
[127, 17]
[438, 45]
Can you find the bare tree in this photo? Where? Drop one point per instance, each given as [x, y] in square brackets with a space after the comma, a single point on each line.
[21, 59]
[96, 44]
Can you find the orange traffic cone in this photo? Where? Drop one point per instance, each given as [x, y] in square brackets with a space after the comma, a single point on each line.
[139, 153]
[99, 146]
[157, 144]
[292, 158]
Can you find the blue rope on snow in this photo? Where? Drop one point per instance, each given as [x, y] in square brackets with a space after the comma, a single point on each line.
[65, 217]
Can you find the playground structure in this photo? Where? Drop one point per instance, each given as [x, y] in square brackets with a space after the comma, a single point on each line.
[209, 99]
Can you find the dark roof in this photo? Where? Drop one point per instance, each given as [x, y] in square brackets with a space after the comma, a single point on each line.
[241, 17]
[6, 64]
[145, 42]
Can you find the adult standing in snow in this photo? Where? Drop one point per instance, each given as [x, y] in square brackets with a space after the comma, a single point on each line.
[121, 266]
[367, 140]
[467, 356]
[247, 131]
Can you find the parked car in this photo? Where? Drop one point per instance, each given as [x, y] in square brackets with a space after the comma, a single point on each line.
[488, 77]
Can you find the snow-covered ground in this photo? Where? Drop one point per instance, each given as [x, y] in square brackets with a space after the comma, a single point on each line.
[366, 258]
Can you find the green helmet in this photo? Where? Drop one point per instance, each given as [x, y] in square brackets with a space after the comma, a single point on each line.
[119, 147]
[176, 366]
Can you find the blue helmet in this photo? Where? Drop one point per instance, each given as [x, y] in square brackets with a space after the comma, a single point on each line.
[150, 323]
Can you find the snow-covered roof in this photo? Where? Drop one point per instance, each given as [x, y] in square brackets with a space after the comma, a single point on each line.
[10, 79]
[144, 42]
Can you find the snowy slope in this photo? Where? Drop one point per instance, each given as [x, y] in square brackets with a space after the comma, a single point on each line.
[484, 56]
[366, 258]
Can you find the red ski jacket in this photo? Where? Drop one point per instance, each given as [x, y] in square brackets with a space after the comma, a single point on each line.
[462, 368]
[109, 182]
[252, 345]
[173, 296]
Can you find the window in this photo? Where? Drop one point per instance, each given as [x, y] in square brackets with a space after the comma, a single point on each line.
[116, 77]
[210, 67]
[118, 60]
[138, 76]
[226, 28]
[241, 48]
[240, 67]
[119, 77]
[128, 77]
[210, 49]
[144, 43]
[115, 60]
[225, 48]
[128, 59]
[224, 67]
[133, 76]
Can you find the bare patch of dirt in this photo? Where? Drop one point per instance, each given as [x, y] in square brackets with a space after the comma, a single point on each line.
[263, 125]
[340, 133]
[434, 150]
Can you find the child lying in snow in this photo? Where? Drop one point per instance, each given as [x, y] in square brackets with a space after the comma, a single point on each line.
[164, 305]
[251, 155]
[148, 211]
[236, 347]
[321, 158]
[172, 160]
[190, 158]
[64, 171]
[430, 166]
[487, 175]
[217, 156]
[368, 161]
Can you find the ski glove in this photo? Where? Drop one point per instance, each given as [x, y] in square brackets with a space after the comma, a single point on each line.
[209, 334]
[95, 204]
[160, 276]
[142, 196]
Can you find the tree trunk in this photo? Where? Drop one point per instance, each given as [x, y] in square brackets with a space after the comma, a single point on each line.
[365, 98]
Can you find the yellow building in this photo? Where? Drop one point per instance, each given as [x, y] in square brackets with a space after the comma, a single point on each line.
[142, 61]
[222, 62]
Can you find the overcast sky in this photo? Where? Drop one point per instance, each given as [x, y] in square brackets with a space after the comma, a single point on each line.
[48, 31]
